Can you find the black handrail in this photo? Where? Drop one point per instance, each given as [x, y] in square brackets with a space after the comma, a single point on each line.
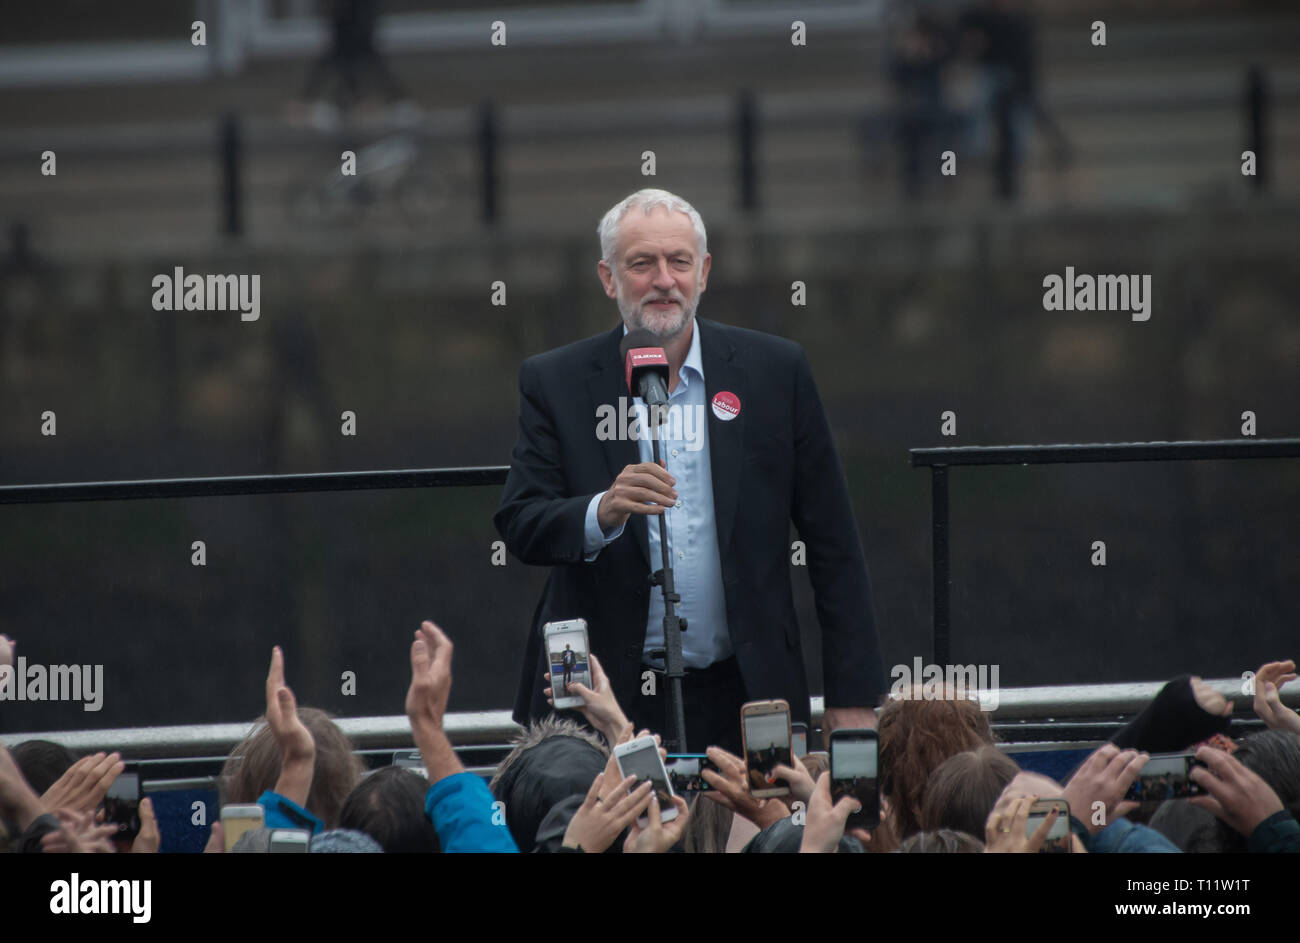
[938, 460]
[253, 484]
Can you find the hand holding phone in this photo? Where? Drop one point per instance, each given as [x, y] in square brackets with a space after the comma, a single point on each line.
[640, 758]
[569, 656]
[855, 758]
[765, 729]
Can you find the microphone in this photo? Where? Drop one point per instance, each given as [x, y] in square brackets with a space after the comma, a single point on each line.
[646, 367]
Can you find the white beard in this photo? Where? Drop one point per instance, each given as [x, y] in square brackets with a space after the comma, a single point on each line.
[665, 324]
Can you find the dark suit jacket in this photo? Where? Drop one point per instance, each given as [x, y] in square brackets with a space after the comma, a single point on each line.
[772, 464]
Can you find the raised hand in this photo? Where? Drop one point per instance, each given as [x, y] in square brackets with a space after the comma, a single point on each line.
[85, 783]
[1105, 777]
[297, 748]
[1268, 702]
[824, 826]
[658, 836]
[1236, 794]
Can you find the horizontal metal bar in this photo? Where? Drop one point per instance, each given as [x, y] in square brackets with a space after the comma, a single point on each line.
[494, 728]
[1106, 452]
[253, 484]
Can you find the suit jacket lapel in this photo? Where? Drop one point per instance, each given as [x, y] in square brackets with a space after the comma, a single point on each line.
[606, 385]
[723, 372]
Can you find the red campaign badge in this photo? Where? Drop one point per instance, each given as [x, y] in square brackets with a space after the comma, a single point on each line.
[726, 406]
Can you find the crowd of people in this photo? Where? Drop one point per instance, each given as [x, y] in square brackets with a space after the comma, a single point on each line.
[945, 786]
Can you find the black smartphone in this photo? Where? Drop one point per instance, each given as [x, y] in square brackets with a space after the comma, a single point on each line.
[684, 771]
[1165, 777]
[122, 806]
[854, 762]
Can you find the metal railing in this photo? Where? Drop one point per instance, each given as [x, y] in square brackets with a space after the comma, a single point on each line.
[1066, 707]
[938, 460]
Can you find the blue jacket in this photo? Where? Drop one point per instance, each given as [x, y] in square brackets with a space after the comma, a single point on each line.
[463, 811]
[282, 813]
[1279, 833]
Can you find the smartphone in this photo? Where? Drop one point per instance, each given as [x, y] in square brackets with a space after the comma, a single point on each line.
[237, 819]
[567, 654]
[411, 759]
[799, 739]
[122, 806]
[765, 729]
[1058, 839]
[1165, 777]
[855, 756]
[290, 841]
[640, 758]
[684, 771]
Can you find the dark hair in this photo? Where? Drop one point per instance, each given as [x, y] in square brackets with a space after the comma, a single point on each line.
[1273, 755]
[253, 766]
[961, 793]
[388, 805]
[944, 841]
[42, 762]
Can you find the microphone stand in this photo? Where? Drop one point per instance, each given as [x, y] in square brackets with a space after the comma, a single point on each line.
[674, 625]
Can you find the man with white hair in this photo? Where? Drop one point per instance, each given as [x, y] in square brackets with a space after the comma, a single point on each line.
[746, 450]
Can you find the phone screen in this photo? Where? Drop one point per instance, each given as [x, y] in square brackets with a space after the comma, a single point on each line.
[122, 805]
[236, 825]
[1165, 777]
[645, 765]
[410, 759]
[799, 740]
[1058, 839]
[853, 772]
[567, 656]
[684, 772]
[767, 745]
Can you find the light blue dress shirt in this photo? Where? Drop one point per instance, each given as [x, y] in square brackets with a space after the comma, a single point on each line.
[692, 530]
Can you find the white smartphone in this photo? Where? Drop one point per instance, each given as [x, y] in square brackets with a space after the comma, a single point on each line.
[640, 758]
[568, 655]
[765, 729]
[290, 841]
[237, 819]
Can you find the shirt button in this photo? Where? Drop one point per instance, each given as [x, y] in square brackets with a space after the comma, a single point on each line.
[681, 555]
[678, 504]
[674, 453]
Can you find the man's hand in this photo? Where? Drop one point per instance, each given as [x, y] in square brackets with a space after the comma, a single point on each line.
[606, 811]
[731, 789]
[1236, 794]
[644, 488]
[1104, 777]
[824, 826]
[600, 707]
[658, 836]
[83, 787]
[846, 718]
[426, 701]
[297, 748]
[1268, 702]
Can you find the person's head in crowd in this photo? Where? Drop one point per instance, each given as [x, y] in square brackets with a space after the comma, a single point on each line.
[961, 793]
[943, 841]
[1273, 755]
[917, 734]
[388, 805]
[816, 763]
[253, 766]
[344, 841]
[42, 762]
[553, 759]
